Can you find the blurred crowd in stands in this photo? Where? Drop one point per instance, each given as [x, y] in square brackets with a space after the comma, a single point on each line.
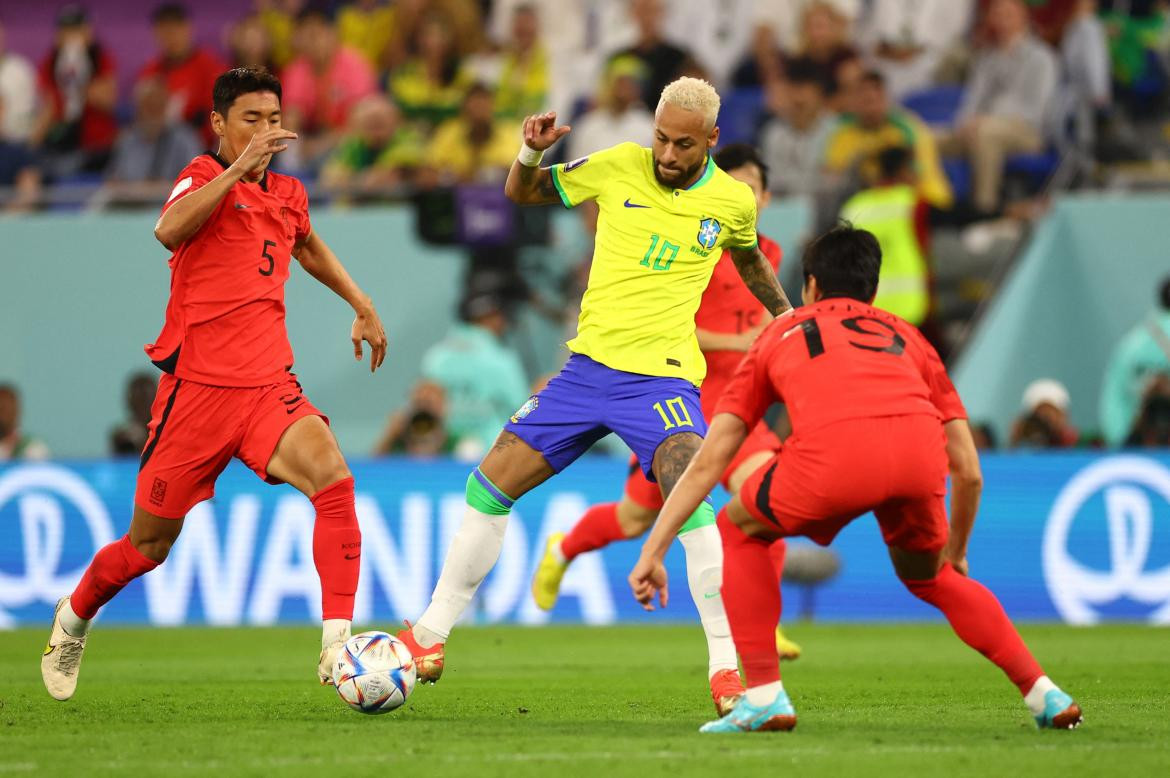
[903, 116]
[392, 94]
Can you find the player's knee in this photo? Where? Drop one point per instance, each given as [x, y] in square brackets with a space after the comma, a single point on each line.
[154, 547]
[915, 569]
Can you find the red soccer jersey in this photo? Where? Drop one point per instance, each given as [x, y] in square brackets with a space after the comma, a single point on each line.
[728, 307]
[225, 318]
[840, 359]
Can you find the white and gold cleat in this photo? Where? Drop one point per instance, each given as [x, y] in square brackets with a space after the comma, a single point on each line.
[61, 661]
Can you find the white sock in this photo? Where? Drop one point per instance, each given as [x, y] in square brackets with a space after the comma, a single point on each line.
[764, 695]
[1034, 699]
[72, 623]
[334, 631]
[704, 550]
[474, 551]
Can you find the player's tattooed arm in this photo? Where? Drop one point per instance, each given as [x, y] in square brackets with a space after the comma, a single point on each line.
[531, 184]
[760, 278]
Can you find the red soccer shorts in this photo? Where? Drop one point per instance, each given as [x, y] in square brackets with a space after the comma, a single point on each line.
[895, 466]
[649, 496]
[196, 429]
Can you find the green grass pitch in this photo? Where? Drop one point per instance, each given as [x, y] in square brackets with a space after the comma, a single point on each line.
[562, 701]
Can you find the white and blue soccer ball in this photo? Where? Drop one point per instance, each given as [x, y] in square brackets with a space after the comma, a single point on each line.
[374, 672]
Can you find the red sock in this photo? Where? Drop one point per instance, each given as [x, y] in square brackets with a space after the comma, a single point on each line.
[113, 566]
[978, 619]
[596, 529]
[337, 548]
[752, 601]
[777, 551]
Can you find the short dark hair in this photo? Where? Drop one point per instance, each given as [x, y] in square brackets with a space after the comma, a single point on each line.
[1164, 295]
[315, 12]
[736, 155]
[241, 81]
[845, 261]
[478, 89]
[893, 161]
[169, 12]
[803, 71]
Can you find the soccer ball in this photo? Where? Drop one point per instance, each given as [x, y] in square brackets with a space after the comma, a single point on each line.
[374, 672]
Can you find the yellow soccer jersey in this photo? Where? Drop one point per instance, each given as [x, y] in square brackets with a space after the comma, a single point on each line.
[655, 251]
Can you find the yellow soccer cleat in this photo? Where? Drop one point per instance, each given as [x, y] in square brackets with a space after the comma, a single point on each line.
[546, 584]
[785, 647]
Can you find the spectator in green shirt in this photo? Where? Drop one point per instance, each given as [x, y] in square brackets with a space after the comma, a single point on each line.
[482, 377]
[1139, 358]
[378, 153]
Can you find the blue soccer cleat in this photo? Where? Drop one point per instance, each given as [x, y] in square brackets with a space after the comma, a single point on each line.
[1060, 712]
[779, 716]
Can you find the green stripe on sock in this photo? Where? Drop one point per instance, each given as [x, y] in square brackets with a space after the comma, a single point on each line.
[484, 501]
[704, 516]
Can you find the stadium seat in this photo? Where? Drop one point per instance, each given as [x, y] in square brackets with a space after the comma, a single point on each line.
[739, 118]
[937, 106]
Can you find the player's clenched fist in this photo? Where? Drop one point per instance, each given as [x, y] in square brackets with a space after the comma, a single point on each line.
[262, 146]
[541, 131]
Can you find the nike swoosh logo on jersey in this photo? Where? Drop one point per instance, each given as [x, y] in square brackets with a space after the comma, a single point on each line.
[241, 206]
[709, 595]
[634, 205]
[352, 556]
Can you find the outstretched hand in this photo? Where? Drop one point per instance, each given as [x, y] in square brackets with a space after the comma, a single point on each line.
[541, 131]
[368, 327]
[647, 579]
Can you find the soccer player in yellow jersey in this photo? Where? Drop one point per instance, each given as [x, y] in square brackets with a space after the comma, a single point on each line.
[666, 215]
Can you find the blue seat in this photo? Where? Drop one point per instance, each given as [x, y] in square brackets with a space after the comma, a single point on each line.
[937, 105]
[739, 116]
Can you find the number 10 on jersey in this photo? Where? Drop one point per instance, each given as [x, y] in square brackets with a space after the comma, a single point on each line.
[678, 416]
[667, 253]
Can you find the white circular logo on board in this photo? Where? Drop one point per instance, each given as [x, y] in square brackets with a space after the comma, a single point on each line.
[1127, 485]
[40, 496]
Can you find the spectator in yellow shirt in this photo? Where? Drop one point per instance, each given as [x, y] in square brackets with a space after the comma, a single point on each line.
[875, 125]
[475, 146]
[523, 82]
[367, 26]
[429, 86]
[279, 18]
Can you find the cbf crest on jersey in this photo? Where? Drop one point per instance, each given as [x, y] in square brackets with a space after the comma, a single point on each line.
[525, 409]
[709, 230]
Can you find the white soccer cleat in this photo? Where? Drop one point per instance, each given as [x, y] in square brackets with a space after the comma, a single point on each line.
[61, 661]
[326, 663]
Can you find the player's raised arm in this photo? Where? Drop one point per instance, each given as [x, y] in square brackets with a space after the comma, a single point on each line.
[648, 578]
[322, 264]
[183, 219]
[760, 278]
[528, 183]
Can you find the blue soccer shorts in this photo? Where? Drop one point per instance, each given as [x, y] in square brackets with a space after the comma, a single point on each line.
[587, 400]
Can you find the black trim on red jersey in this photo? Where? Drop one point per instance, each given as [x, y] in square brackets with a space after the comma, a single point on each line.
[146, 453]
[765, 491]
[634, 467]
[170, 364]
[223, 163]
